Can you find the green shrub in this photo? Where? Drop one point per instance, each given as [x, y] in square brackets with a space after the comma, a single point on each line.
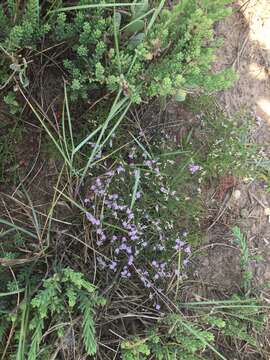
[62, 296]
[143, 50]
[177, 337]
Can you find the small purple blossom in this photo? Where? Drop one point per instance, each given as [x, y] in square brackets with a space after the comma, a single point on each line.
[138, 195]
[125, 272]
[98, 182]
[179, 243]
[120, 169]
[157, 307]
[129, 250]
[130, 260]
[110, 173]
[92, 219]
[113, 265]
[193, 168]
[123, 246]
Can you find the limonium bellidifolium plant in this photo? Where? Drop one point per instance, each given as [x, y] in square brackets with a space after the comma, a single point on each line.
[132, 211]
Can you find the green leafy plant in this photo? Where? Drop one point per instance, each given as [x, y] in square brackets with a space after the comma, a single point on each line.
[245, 258]
[68, 287]
[65, 293]
[179, 337]
[178, 342]
[10, 100]
[144, 50]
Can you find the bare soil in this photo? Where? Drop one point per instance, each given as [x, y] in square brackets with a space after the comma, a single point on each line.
[246, 47]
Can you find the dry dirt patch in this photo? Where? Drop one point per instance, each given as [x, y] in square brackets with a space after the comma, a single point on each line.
[246, 47]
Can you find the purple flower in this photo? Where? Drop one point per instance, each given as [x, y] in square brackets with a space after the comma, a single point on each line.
[130, 216]
[133, 232]
[138, 195]
[125, 272]
[187, 249]
[114, 238]
[194, 168]
[113, 265]
[179, 243]
[123, 246]
[120, 169]
[103, 237]
[92, 219]
[129, 250]
[157, 307]
[99, 231]
[86, 201]
[98, 182]
[130, 260]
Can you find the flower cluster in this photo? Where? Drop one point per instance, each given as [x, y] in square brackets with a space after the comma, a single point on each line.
[141, 241]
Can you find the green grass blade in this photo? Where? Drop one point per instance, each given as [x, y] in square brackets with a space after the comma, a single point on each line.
[47, 131]
[69, 120]
[12, 292]
[135, 187]
[116, 40]
[138, 18]
[17, 228]
[21, 350]
[116, 124]
[92, 6]
[155, 15]
[141, 146]
[85, 141]
[116, 107]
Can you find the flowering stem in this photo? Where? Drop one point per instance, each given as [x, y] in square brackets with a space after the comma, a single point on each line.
[178, 273]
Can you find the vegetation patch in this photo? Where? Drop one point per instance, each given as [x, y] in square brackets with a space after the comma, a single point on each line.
[100, 270]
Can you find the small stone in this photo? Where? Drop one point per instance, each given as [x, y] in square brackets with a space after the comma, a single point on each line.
[237, 194]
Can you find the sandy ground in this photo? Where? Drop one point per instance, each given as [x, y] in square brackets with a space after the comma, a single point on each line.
[246, 47]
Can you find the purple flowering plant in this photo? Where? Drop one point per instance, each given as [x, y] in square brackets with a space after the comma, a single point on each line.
[132, 215]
